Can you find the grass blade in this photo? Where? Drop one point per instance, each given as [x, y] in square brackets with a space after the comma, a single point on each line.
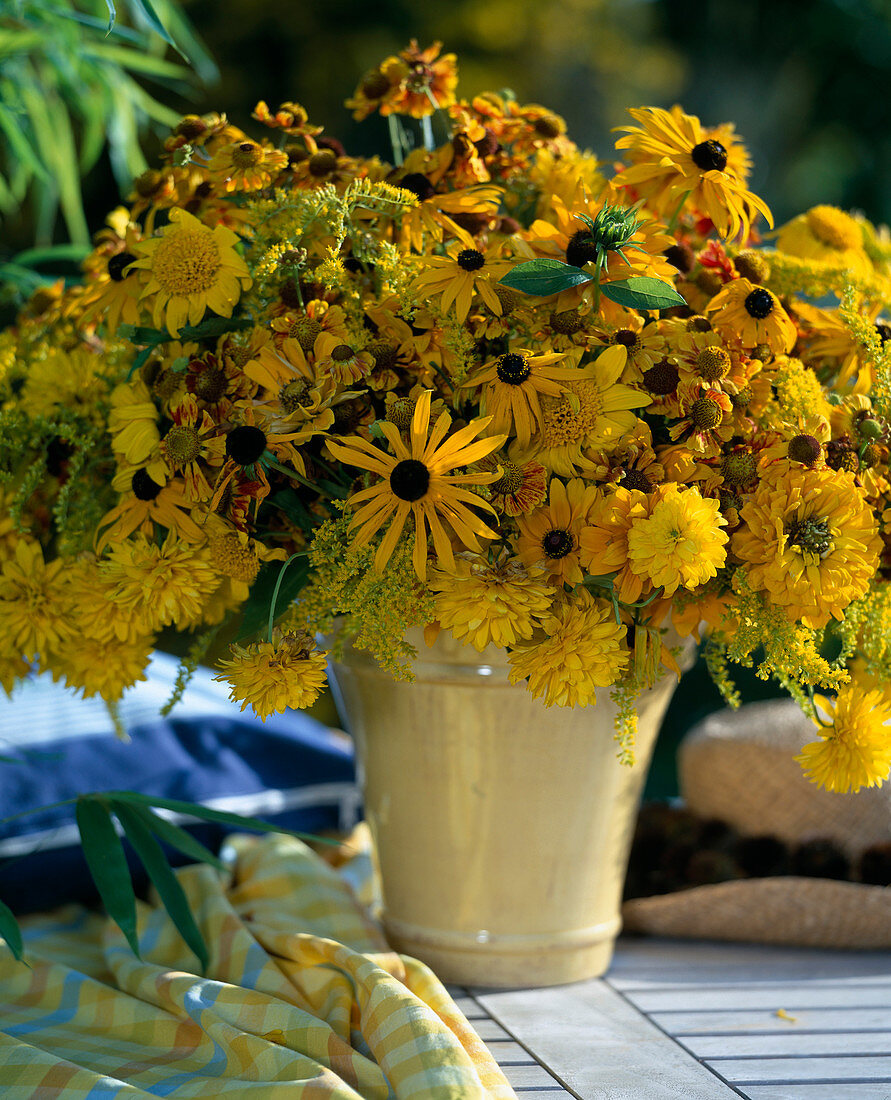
[166, 882]
[145, 10]
[105, 858]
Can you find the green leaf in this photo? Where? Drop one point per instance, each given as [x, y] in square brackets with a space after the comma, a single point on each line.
[166, 882]
[52, 254]
[205, 813]
[544, 277]
[105, 858]
[176, 837]
[145, 9]
[136, 61]
[642, 292]
[256, 607]
[10, 931]
[112, 15]
[19, 143]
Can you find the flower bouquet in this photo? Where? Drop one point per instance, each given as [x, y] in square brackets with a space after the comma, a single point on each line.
[492, 386]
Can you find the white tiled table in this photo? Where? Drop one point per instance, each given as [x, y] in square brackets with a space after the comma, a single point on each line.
[698, 1021]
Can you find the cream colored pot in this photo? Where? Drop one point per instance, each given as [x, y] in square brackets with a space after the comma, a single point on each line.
[502, 826]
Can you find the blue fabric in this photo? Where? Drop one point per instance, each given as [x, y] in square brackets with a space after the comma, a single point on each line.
[291, 771]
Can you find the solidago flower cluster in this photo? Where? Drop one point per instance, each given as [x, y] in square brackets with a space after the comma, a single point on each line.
[485, 383]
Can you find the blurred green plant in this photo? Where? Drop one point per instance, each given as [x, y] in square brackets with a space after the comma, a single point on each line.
[71, 89]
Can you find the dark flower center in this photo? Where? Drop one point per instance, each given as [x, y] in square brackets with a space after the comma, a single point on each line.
[410, 480]
[662, 378]
[635, 479]
[759, 303]
[883, 330]
[322, 163]
[342, 353]
[143, 487]
[117, 264]
[557, 543]
[209, 385]
[710, 156]
[245, 444]
[513, 368]
[582, 249]
[470, 259]
[626, 338]
[418, 184]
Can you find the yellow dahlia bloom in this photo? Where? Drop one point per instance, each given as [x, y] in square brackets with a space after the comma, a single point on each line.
[160, 585]
[99, 668]
[579, 647]
[747, 314]
[270, 678]
[679, 542]
[65, 378]
[854, 751]
[549, 537]
[673, 155]
[484, 602]
[604, 542]
[810, 541]
[826, 234]
[192, 268]
[34, 603]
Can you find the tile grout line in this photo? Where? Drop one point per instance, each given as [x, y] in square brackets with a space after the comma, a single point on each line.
[668, 1035]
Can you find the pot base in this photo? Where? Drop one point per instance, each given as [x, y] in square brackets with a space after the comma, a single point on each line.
[507, 962]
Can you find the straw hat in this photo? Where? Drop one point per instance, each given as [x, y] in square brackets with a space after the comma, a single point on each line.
[739, 767]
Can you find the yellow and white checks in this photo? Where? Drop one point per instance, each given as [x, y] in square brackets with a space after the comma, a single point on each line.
[302, 1000]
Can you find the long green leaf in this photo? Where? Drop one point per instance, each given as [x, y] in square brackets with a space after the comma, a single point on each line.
[112, 15]
[642, 292]
[108, 866]
[207, 814]
[166, 882]
[175, 836]
[184, 32]
[19, 143]
[145, 9]
[544, 277]
[10, 931]
[68, 175]
[52, 254]
[136, 61]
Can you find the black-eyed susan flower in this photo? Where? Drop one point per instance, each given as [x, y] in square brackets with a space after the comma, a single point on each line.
[549, 537]
[145, 503]
[674, 158]
[578, 648]
[809, 541]
[679, 542]
[854, 749]
[750, 315]
[485, 602]
[417, 481]
[511, 387]
[272, 676]
[465, 270]
[192, 268]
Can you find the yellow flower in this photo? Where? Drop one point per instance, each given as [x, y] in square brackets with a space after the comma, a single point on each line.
[679, 543]
[579, 647]
[69, 379]
[549, 537]
[674, 156]
[463, 271]
[520, 488]
[485, 602]
[826, 234]
[594, 412]
[34, 603]
[133, 423]
[810, 541]
[192, 268]
[246, 166]
[94, 667]
[160, 585]
[855, 750]
[511, 386]
[273, 677]
[749, 315]
[417, 482]
[145, 503]
[604, 542]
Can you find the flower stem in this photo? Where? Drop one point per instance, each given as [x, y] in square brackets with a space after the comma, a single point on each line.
[278, 584]
[680, 206]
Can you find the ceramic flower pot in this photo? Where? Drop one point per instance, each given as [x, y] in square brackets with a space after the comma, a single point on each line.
[502, 827]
